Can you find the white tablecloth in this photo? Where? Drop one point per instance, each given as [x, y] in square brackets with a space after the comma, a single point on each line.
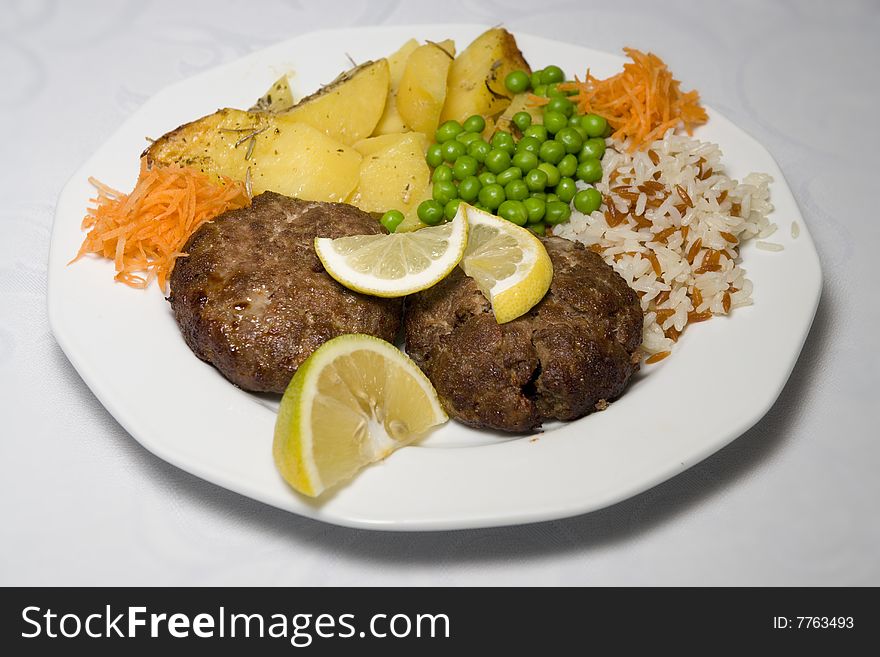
[793, 501]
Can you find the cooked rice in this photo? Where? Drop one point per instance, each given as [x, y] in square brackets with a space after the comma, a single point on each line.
[795, 229]
[671, 225]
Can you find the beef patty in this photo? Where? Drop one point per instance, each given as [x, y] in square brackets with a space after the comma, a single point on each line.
[570, 355]
[252, 298]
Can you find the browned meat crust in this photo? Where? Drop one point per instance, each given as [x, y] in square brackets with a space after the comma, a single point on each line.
[570, 354]
[252, 298]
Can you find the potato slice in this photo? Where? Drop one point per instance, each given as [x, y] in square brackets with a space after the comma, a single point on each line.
[393, 175]
[476, 77]
[348, 108]
[391, 121]
[277, 99]
[422, 89]
[272, 151]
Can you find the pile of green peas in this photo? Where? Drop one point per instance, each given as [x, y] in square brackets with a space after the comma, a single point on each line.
[527, 178]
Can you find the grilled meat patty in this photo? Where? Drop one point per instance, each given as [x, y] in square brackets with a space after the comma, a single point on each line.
[252, 298]
[571, 354]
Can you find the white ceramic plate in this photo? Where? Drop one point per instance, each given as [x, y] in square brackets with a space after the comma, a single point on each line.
[126, 346]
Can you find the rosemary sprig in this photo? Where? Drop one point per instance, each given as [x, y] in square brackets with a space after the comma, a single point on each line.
[251, 135]
[250, 148]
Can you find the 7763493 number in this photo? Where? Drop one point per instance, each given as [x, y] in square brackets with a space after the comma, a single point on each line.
[814, 622]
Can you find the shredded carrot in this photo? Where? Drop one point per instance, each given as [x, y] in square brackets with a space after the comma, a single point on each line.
[536, 101]
[656, 358]
[640, 103]
[144, 232]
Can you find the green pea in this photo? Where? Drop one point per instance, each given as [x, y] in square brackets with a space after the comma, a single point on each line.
[552, 173]
[511, 173]
[475, 123]
[561, 105]
[554, 122]
[522, 120]
[581, 131]
[451, 208]
[492, 196]
[479, 150]
[447, 130]
[536, 180]
[469, 188]
[539, 229]
[535, 209]
[517, 81]
[551, 197]
[608, 131]
[570, 138]
[391, 220]
[514, 212]
[430, 212]
[539, 132]
[486, 178]
[557, 212]
[590, 170]
[552, 74]
[497, 160]
[442, 173]
[467, 138]
[567, 165]
[594, 125]
[516, 190]
[452, 150]
[480, 206]
[540, 195]
[504, 141]
[592, 148]
[540, 90]
[465, 166]
[525, 161]
[444, 191]
[528, 145]
[551, 151]
[553, 91]
[566, 189]
[535, 79]
[434, 156]
[588, 200]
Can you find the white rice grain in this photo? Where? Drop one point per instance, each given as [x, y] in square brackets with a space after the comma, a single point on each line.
[712, 275]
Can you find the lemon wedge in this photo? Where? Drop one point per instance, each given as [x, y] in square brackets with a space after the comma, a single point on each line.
[354, 401]
[397, 264]
[508, 263]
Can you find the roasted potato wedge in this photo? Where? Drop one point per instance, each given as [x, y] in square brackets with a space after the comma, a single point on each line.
[393, 175]
[274, 152]
[422, 89]
[476, 77]
[277, 99]
[391, 121]
[348, 108]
